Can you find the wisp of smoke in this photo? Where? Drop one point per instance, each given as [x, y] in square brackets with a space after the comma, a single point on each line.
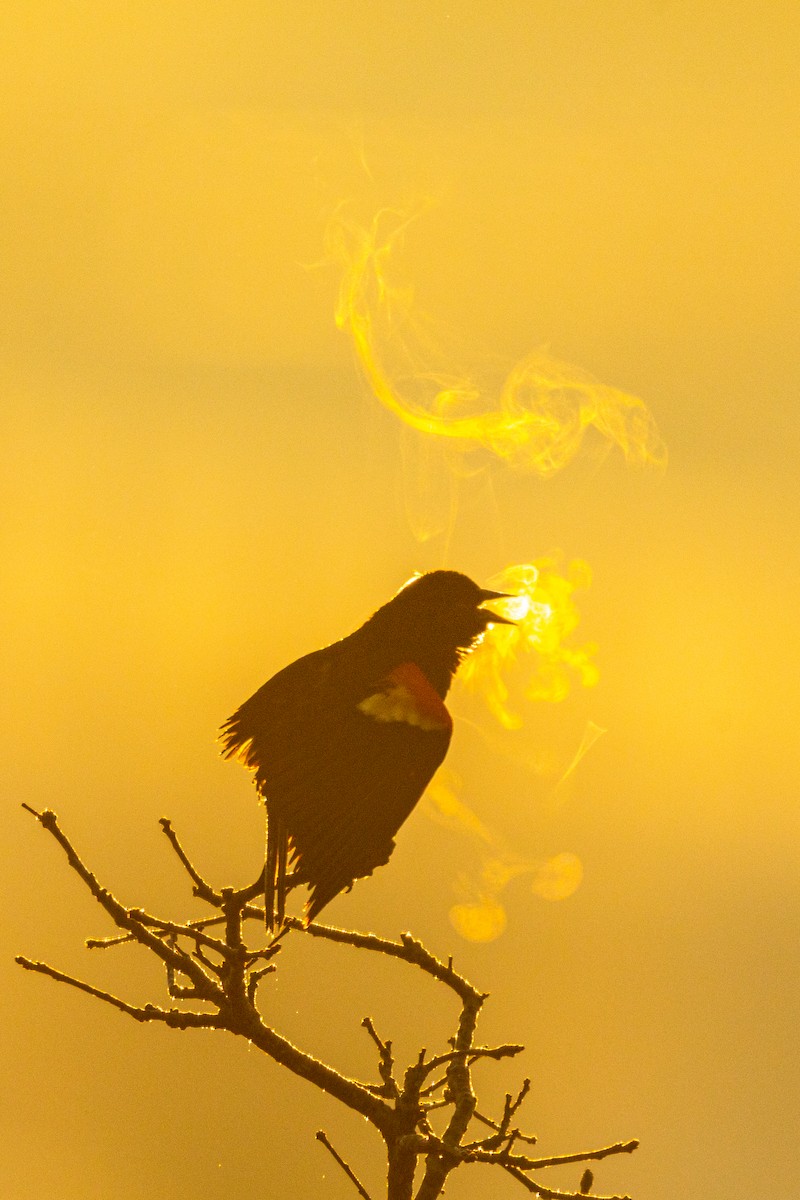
[535, 421]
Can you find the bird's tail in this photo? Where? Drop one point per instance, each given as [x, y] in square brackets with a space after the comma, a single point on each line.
[275, 871]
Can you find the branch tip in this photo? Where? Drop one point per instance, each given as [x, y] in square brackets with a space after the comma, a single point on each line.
[362, 1191]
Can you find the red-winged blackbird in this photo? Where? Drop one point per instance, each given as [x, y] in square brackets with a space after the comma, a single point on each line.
[344, 741]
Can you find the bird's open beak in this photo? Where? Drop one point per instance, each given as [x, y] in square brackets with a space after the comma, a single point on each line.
[486, 595]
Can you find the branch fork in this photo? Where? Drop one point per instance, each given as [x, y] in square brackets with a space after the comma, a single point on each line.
[213, 979]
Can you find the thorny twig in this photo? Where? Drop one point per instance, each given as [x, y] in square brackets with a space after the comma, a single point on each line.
[221, 973]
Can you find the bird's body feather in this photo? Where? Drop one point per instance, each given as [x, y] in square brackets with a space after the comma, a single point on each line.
[344, 741]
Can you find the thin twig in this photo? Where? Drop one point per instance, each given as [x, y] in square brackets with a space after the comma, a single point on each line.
[539, 1189]
[434, 1087]
[362, 1191]
[174, 928]
[197, 923]
[558, 1160]
[474, 1054]
[202, 889]
[511, 1106]
[475, 1154]
[516, 1166]
[206, 987]
[502, 1129]
[255, 980]
[520, 1137]
[385, 1061]
[250, 912]
[408, 949]
[176, 1018]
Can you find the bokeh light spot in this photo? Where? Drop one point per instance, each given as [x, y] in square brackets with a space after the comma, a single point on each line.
[479, 922]
[558, 878]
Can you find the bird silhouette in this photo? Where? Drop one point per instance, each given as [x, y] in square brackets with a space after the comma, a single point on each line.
[344, 741]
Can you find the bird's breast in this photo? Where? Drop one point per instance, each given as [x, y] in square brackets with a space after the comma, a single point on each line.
[407, 695]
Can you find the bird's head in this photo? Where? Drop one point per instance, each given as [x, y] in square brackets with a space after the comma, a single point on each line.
[446, 605]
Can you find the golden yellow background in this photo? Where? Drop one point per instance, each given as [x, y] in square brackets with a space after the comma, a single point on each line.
[197, 487]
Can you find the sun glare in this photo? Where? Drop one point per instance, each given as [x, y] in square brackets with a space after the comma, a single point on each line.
[538, 647]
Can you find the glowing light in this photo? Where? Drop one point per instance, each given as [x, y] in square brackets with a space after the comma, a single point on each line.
[517, 608]
[540, 414]
[546, 616]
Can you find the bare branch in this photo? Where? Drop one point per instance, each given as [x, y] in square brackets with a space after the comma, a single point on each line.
[194, 924]
[362, 1191]
[533, 1185]
[107, 943]
[502, 1129]
[348, 1091]
[474, 1054]
[176, 929]
[225, 971]
[476, 1154]
[459, 1087]
[455, 1155]
[511, 1106]
[408, 949]
[434, 1087]
[235, 1013]
[559, 1160]
[202, 889]
[176, 1018]
[122, 917]
[489, 1142]
[255, 980]
[385, 1061]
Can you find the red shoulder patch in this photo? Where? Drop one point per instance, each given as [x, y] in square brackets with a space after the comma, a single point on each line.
[428, 700]
[408, 695]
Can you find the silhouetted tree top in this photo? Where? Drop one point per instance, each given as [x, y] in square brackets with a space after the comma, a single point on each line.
[423, 1113]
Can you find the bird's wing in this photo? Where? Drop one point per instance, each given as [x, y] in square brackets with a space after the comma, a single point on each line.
[340, 763]
[274, 716]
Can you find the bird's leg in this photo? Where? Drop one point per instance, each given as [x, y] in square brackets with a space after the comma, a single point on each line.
[270, 870]
[283, 853]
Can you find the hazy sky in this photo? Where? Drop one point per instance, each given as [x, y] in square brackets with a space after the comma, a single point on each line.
[198, 487]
